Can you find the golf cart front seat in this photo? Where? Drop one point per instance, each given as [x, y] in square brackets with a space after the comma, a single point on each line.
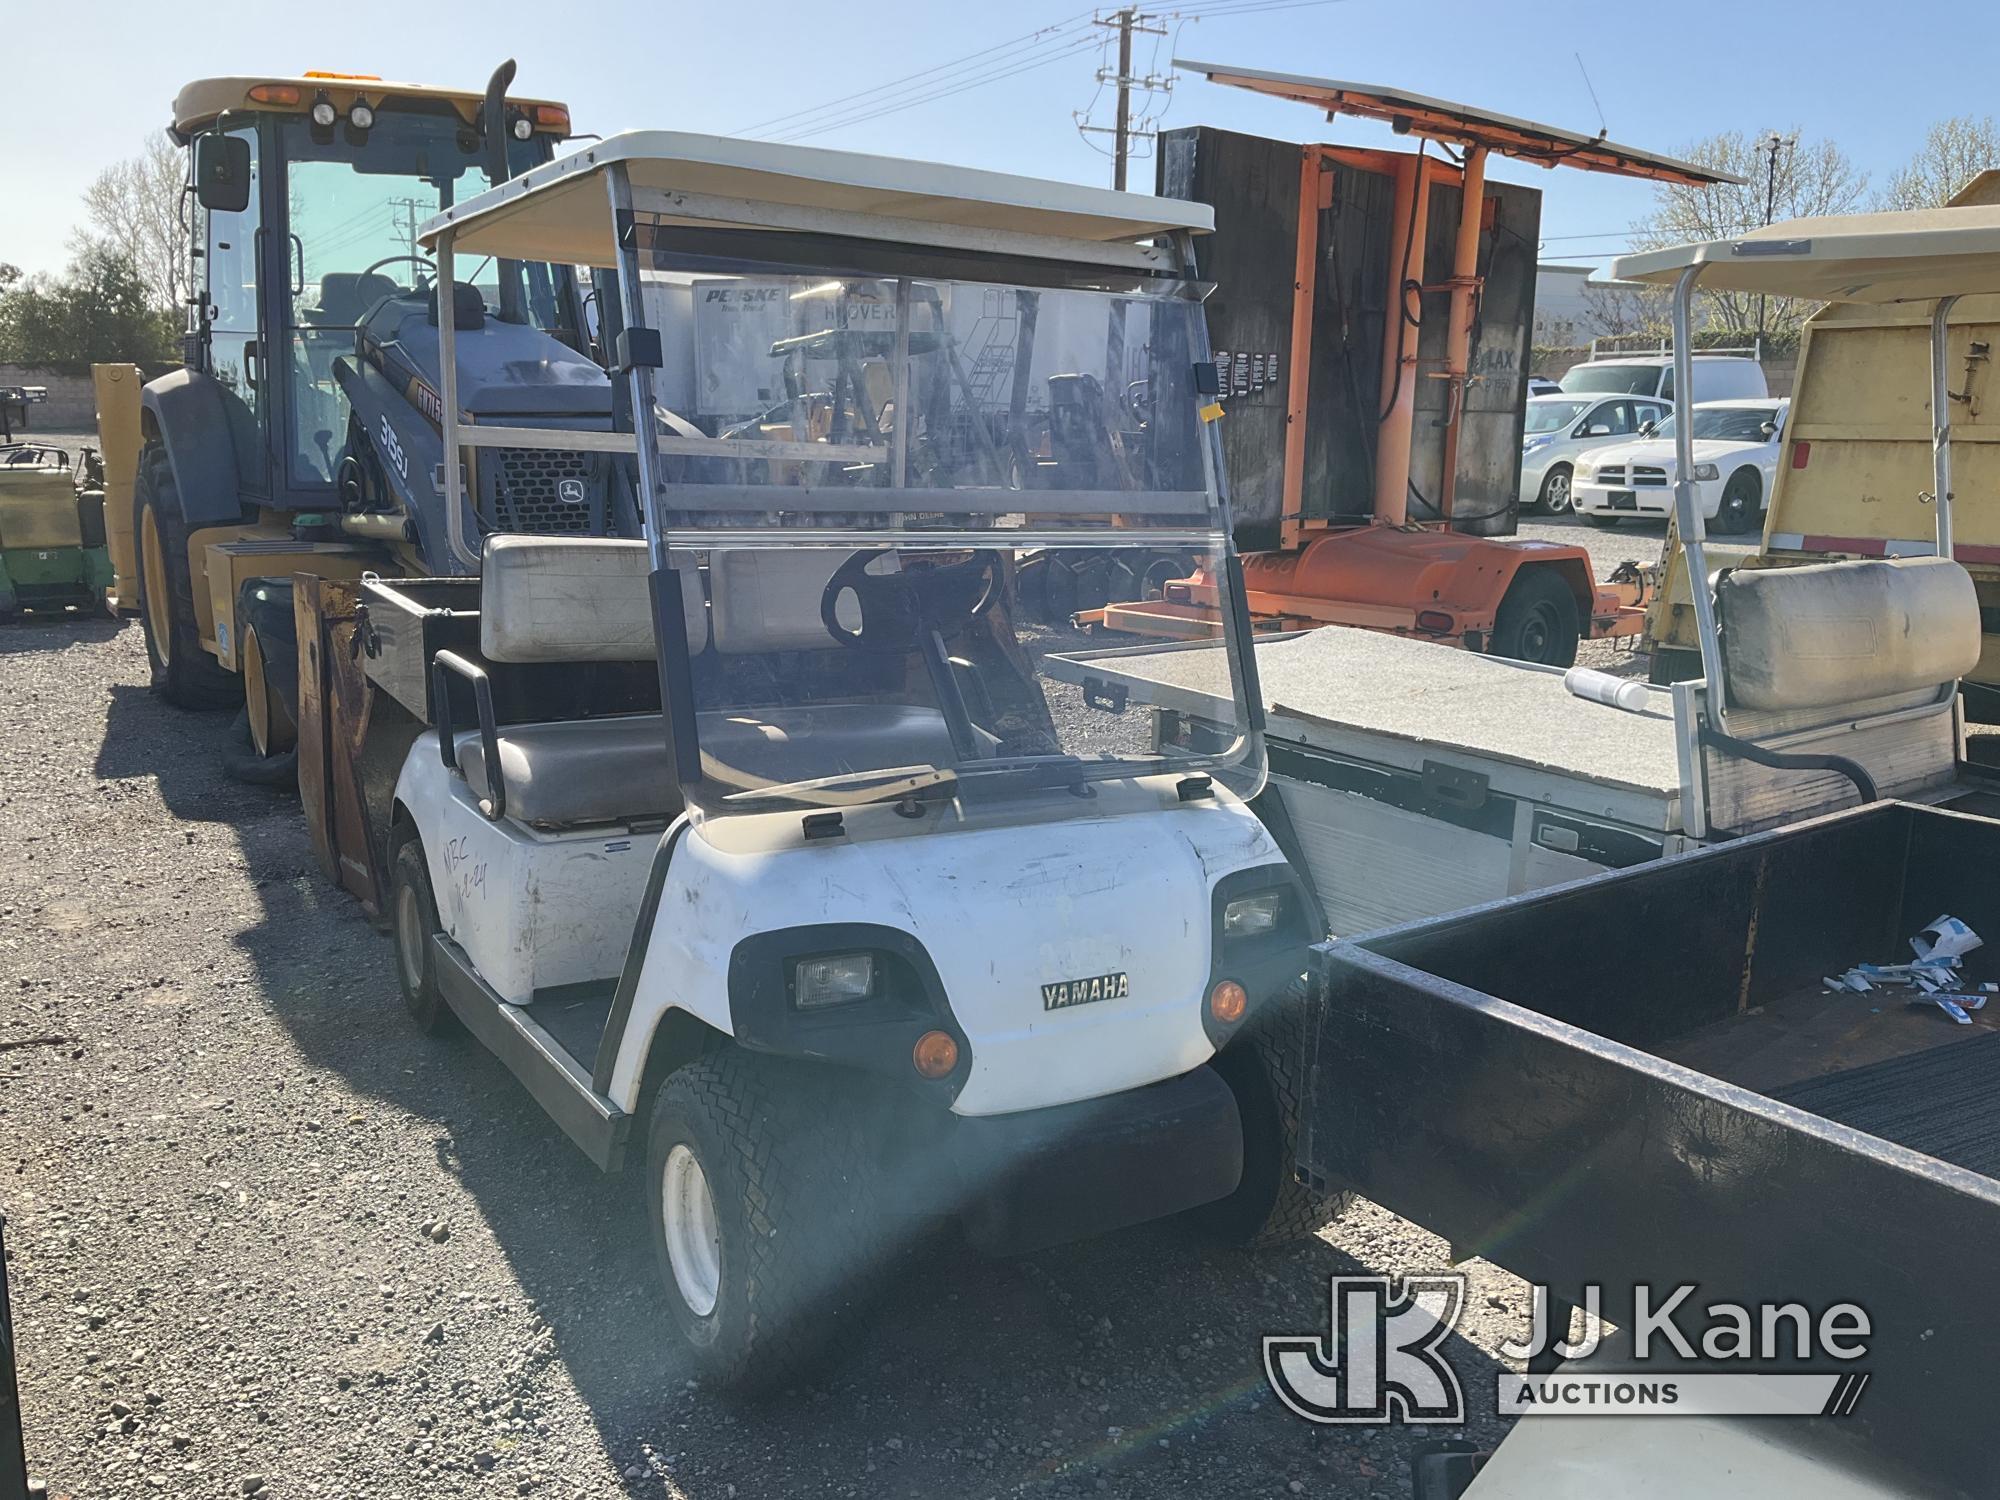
[579, 600]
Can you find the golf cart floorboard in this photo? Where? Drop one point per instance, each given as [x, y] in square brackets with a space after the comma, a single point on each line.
[1874, 1062]
[574, 1014]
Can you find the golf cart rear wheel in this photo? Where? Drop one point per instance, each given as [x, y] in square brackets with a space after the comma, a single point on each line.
[183, 673]
[1265, 1070]
[1537, 620]
[763, 1194]
[413, 912]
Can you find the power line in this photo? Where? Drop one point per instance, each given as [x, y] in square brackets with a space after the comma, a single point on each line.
[924, 78]
[1067, 50]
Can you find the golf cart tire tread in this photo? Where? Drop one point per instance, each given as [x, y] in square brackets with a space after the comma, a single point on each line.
[1266, 1070]
[809, 1218]
[190, 677]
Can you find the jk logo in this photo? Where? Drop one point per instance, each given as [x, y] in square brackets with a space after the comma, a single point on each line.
[1379, 1361]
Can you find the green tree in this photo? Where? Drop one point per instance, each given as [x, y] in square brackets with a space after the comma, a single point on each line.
[99, 309]
[1953, 153]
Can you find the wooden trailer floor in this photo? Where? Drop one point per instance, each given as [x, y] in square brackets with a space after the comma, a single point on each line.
[1904, 1072]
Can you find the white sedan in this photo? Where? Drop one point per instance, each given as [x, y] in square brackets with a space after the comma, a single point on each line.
[1736, 448]
[1559, 430]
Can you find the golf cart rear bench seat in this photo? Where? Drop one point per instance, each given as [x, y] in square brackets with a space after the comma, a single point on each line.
[582, 600]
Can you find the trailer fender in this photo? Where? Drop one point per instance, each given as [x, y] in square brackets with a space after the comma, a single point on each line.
[1575, 574]
[185, 409]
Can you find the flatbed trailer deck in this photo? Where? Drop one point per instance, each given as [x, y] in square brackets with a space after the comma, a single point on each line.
[1411, 780]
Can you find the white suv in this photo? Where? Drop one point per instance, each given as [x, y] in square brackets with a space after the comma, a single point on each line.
[1560, 429]
[1736, 447]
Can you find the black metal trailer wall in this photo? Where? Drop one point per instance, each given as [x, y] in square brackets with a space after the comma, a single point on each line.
[1493, 1075]
[1254, 186]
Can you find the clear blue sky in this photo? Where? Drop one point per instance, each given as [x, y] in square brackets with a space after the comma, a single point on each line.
[1831, 68]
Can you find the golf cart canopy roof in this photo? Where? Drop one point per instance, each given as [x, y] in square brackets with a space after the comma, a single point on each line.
[1915, 255]
[1439, 119]
[560, 212]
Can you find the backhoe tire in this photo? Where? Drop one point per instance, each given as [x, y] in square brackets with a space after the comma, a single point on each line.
[183, 673]
[242, 761]
[414, 919]
[1265, 1069]
[765, 1198]
[1537, 620]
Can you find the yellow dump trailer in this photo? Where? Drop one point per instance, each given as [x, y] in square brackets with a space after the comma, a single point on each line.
[1856, 476]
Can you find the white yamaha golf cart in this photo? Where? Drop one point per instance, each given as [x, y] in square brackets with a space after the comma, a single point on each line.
[844, 918]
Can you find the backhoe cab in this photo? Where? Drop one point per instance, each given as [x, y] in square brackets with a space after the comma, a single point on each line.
[301, 435]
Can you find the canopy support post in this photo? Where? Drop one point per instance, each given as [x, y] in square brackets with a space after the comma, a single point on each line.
[448, 424]
[1687, 508]
[1941, 424]
[638, 354]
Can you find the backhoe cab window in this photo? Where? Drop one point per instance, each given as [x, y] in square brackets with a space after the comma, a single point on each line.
[354, 211]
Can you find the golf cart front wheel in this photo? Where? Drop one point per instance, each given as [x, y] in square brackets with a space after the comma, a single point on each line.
[1265, 1070]
[762, 1193]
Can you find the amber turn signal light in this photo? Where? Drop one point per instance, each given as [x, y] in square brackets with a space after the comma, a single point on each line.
[935, 1054]
[1227, 1002]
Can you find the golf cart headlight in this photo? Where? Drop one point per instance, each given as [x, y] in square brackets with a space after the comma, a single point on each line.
[1705, 471]
[1253, 916]
[832, 979]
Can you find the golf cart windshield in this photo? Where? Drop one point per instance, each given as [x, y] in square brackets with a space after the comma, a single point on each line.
[827, 676]
[963, 466]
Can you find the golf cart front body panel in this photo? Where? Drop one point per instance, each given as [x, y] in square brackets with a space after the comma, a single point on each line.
[1020, 921]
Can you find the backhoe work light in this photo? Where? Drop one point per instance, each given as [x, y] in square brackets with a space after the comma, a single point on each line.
[552, 117]
[522, 127]
[323, 112]
[1253, 916]
[280, 94]
[833, 979]
[361, 116]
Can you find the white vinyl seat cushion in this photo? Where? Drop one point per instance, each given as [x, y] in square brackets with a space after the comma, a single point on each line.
[614, 770]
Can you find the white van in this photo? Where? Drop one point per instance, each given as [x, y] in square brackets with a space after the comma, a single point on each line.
[1717, 377]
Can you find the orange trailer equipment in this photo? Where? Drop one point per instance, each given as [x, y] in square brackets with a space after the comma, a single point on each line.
[1361, 559]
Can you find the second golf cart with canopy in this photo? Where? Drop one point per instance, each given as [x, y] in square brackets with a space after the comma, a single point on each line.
[763, 850]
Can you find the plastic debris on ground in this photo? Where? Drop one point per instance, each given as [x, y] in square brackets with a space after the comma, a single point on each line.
[1932, 978]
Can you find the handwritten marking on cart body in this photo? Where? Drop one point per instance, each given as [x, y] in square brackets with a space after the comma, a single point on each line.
[462, 868]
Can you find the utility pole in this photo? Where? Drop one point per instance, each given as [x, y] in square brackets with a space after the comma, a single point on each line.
[1772, 144]
[1128, 21]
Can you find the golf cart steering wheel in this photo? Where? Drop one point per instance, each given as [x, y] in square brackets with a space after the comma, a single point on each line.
[897, 607]
[390, 260]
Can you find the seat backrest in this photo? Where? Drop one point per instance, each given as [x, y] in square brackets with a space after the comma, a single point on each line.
[1845, 632]
[558, 598]
[767, 599]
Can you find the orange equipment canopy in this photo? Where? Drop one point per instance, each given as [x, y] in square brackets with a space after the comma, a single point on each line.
[1439, 119]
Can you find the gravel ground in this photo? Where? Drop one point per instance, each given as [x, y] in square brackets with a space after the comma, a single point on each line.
[266, 1239]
